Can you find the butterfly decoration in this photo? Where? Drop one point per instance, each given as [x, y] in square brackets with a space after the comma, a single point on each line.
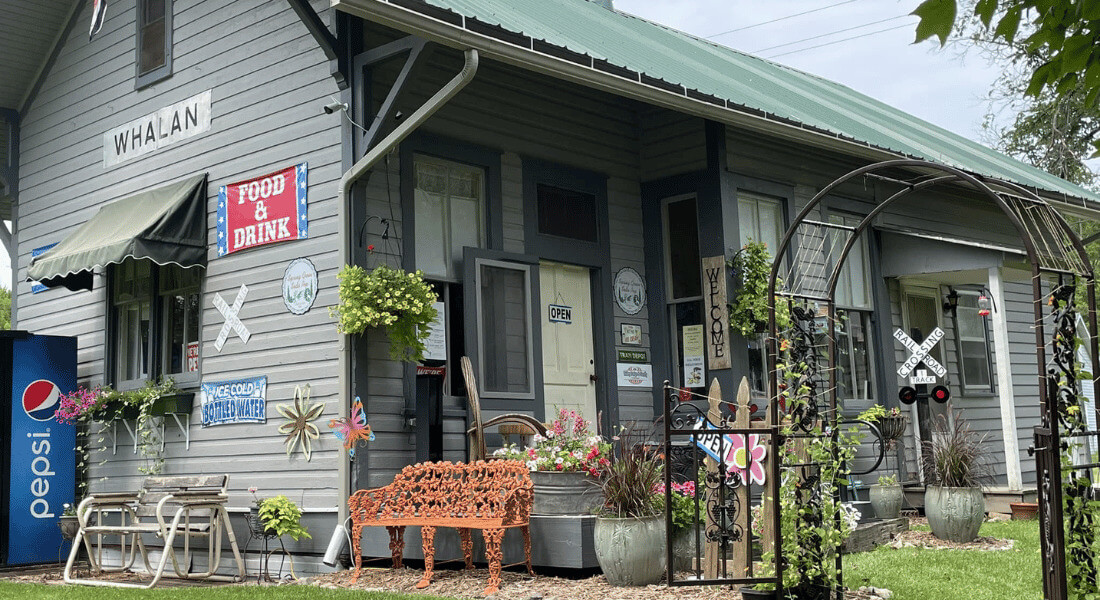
[299, 428]
[353, 431]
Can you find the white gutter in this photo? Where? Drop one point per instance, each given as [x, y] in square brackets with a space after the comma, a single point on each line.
[390, 15]
[365, 164]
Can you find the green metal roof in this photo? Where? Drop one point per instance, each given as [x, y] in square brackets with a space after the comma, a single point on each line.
[670, 59]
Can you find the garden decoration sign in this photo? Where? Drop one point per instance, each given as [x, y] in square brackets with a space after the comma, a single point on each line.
[240, 401]
[299, 427]
[745, 454]
[264, 210]
[353, 431]
[299, 286]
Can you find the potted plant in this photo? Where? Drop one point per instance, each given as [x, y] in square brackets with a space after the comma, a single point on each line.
[281, 516]
[67, 522]
[954, 468]
[629, 536]
[565, 466]
[886, 497]
[751, 266]
[890, 422]
[684, 525]
[400, 301]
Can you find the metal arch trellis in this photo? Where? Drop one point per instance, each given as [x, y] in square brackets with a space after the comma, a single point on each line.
[819, 250]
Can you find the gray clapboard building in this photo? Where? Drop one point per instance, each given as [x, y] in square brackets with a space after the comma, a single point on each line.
[521, 154]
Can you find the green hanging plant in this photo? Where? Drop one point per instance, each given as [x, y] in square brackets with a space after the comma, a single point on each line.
[751, 267]
[386, 297]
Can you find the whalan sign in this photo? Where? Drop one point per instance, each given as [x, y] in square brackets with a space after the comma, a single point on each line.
[157, 130]
[241, 401]
[264, 210]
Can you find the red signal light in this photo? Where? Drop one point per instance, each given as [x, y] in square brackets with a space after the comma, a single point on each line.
[907, 395]
[941, 394]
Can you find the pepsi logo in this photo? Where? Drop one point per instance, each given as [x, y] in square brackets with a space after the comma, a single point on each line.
[40, 400]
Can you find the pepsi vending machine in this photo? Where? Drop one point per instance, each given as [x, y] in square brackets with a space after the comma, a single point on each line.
[37, 461]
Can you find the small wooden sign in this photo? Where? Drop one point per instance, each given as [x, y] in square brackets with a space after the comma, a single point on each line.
[716, 319]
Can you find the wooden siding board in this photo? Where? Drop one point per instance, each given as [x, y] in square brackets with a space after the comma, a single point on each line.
[266, 100]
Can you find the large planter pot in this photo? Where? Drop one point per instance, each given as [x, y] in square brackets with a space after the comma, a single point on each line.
[954, 514]
[631, 551]
[565, 493]
[684, 549]
[886, 500]
[179, 404]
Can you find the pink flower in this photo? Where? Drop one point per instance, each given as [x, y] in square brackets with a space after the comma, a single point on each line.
[748, 457]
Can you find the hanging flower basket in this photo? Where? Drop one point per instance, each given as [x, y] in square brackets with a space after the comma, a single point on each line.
[892, 427]
[400, 301]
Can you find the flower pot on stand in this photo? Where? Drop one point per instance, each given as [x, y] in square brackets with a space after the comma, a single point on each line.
[886, 500]
[565, 493]
[631, 551]
[69, 526]
[954, 514]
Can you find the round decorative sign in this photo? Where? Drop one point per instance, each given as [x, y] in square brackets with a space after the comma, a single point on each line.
[299, 286]
[629, 290]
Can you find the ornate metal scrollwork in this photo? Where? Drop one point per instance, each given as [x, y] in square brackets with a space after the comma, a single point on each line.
[799, 381]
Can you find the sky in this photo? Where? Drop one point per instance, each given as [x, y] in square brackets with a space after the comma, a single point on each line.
[863, 44]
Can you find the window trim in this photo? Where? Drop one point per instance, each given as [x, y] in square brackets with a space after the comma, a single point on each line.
[484, 234]
[157, 327]
[473, 258]
[969, 389]
[164, 71]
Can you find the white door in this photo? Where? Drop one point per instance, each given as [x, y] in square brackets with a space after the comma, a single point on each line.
[568, 368]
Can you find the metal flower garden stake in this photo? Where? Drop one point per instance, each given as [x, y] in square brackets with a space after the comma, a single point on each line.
[299, 428]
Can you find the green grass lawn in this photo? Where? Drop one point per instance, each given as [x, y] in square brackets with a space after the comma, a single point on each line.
[919, 574]
[27, 591]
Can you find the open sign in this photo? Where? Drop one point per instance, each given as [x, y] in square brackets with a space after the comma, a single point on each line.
[560, 313]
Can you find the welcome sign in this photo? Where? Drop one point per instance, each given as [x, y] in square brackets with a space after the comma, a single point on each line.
[264, 210]
[240, 401]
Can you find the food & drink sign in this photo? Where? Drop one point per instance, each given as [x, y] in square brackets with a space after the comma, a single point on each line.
[264, 210]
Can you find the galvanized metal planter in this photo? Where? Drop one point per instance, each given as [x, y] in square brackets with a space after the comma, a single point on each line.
[565, 493]
[886, 500]
[954, 514]
[631, 551]
[180, 404]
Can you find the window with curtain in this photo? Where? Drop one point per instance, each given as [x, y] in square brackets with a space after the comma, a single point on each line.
[449, 205]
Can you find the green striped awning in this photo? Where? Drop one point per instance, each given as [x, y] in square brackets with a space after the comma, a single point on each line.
[166, 225]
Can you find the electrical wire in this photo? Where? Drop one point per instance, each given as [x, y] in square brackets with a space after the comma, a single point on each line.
[847, 39]
[828, 34]
[806, 12]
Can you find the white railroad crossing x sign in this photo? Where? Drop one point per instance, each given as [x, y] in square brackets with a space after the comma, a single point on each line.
[231, 320]
[920, 352]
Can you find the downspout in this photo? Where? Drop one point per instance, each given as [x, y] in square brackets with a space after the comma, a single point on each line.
[360, 168]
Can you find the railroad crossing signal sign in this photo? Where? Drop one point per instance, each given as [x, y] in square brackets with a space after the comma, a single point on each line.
[920, 353]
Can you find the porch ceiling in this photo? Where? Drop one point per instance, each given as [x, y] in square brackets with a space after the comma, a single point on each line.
[29, 30]
[581, 41]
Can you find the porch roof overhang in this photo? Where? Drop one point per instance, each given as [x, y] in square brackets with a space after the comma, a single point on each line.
[166, 225]
[628, 56]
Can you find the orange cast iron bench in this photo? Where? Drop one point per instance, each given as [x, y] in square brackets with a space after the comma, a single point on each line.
[491, 496]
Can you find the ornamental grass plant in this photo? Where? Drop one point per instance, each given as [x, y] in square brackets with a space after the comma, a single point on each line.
[955, 456]
[629, 481]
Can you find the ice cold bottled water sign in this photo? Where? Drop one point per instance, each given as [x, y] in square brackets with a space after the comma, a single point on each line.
[240, 401]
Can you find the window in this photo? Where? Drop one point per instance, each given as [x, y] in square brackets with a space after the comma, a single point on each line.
[154, 41]
[449, 205]
[684, 282]
[566, 213]
[761, 220]
[502, 325]
[853, 314]
[973, 340]
[155, 315]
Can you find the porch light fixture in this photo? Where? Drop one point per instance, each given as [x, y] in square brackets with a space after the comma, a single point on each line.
[951, 301]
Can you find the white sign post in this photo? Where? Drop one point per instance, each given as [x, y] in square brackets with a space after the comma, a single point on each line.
[919, 354]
